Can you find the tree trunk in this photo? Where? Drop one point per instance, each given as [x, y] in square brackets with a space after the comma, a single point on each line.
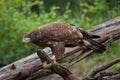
[23, 68]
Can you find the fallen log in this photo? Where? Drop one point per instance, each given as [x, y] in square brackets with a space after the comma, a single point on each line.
[19, 70]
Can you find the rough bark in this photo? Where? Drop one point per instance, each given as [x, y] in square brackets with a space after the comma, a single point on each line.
[21, 68]
[112, 77]
[50, 68]
[109, 31]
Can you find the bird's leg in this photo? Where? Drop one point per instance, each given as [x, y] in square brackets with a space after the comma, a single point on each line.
[58, 50]
[53, 59]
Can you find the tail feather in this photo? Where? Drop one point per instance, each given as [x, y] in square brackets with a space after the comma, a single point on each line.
[90, 43]
[95, 36]
[87, 35]
[96, 45]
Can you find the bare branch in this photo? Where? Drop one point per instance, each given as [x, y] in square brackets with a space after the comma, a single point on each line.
[79, 58]
[103, 67]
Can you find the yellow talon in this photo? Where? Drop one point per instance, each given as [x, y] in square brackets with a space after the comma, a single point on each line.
[53, 58]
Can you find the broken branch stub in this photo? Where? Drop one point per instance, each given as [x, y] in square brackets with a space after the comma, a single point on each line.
[51, 68]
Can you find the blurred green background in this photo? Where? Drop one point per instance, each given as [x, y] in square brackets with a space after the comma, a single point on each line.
[19, 16]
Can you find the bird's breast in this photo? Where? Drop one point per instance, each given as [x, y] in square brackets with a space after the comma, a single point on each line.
[43, 43]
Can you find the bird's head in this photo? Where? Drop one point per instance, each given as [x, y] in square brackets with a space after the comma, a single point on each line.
[30, 37]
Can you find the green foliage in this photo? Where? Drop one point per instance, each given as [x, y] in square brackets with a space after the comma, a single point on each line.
[12, 27]
[84, 10]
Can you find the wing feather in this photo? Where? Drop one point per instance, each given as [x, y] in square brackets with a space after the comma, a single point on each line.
[59, 31]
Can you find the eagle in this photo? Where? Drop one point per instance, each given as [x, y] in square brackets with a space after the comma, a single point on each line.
[58, 35]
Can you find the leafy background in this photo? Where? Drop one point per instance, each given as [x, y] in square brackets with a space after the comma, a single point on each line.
[20, 16]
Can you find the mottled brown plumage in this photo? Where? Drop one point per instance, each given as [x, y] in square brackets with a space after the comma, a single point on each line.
[59, 35]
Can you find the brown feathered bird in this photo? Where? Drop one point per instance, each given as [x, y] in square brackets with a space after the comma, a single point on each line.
[59, 35]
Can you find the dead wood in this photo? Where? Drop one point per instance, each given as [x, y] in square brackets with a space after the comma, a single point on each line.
[50, 68]
[104, 75]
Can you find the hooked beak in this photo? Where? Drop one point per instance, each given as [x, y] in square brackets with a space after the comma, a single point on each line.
[25, 40]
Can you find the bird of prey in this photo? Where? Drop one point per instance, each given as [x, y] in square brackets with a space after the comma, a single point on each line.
[58, 35]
